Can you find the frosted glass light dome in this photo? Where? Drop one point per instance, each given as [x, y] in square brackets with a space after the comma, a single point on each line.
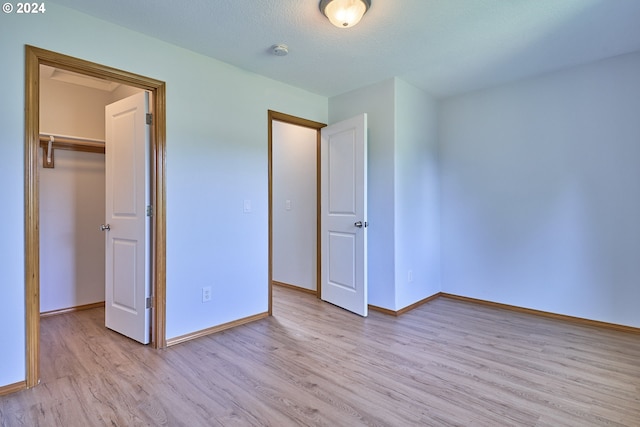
[344, 13]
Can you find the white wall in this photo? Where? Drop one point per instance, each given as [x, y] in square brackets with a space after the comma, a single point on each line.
[69, 109]
[294, 205]
[71, 199]
[216, 158]
[122, 92]
[378, 102]
[71, 246]
[541, 192]
[417, 196]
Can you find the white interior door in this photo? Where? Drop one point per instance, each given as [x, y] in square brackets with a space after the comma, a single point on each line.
[343, 162]
[127, 288]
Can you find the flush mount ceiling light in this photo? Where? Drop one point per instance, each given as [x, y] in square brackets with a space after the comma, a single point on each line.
[344, 13]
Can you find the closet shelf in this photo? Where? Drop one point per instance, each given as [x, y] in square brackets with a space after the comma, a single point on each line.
[66, 143]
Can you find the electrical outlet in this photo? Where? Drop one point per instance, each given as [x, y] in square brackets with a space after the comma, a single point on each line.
[410, 276]
[206, 294]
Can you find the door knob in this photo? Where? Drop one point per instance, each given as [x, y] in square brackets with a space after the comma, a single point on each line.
[104, 227]
[358, 224]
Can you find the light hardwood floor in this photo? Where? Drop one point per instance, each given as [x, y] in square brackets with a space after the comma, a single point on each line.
[445, 363]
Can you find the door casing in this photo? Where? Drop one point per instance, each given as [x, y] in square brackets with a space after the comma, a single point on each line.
[286, 118]
[34, 57]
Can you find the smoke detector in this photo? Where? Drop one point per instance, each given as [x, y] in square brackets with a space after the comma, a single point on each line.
[280, 49]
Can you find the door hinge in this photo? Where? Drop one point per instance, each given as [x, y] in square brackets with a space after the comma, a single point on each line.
[149, 210]
[148, 302]
[149, 118]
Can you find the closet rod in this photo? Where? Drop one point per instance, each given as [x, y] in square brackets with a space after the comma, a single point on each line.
[67, 143]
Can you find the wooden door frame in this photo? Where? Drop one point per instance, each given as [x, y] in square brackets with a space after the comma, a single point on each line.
[34, 57]
[293, 120]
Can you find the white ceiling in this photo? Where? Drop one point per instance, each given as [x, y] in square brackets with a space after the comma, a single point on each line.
[47, 72]
[442, 46]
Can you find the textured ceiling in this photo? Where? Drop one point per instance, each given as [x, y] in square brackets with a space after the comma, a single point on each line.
[442, 46]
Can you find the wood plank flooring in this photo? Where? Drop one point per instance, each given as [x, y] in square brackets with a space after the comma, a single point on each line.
[445, 363]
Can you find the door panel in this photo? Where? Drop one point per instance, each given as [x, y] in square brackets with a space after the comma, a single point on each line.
[127, 237]
[342, 260]
[124, 269]
[341, 152]
[343, 159]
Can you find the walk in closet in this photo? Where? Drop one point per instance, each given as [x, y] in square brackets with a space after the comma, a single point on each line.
[72, 188]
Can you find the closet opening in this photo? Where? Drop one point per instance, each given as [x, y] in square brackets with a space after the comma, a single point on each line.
[72, 188]
[63, 173]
